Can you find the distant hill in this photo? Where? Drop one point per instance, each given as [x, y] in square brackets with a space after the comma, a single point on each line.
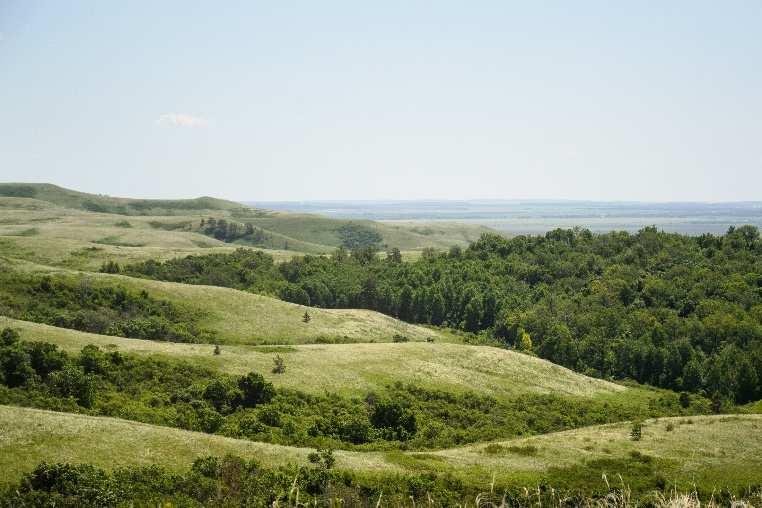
[68, 198]
[29, 204]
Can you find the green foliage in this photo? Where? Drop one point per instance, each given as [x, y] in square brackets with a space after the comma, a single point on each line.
[357, 236]
[243, 269]
[233, 481]
[158, 390]
[670, 310]
[636, 431]
[12, 190]
[90, 306]
[255, 390]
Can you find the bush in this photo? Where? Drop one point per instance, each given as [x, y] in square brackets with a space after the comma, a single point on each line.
[255, 390]
[636, 431]
[279, 367]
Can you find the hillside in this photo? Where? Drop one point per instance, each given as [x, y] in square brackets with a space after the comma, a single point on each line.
[67, 198]
[239, 317]
[712, 450]
[355, 369]
[59, 226]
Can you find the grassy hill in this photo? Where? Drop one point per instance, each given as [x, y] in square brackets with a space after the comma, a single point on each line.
[355, 369]
[52, 225]
[325, 231]
[68, 198]
[712, 450]
[239, 317]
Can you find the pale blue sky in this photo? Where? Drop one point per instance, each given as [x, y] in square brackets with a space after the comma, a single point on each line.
[645, 100]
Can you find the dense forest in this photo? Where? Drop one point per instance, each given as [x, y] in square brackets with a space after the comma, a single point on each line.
[670, 310]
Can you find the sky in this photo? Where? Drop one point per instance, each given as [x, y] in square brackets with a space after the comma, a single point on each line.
[286, 100]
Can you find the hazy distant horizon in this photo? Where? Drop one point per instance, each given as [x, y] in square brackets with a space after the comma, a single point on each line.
[539, 216]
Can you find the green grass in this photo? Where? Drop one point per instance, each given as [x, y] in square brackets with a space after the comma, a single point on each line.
[84, 240]
[239, 317]
[30, 436]
[717, 450]
[68, 198]
[355, 369]
[711, 451]
[64, 227]
[322, 231]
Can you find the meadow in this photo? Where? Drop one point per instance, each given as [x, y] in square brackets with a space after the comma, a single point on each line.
[354, 369]
[240, 317]
[419, 411]
[712, 451]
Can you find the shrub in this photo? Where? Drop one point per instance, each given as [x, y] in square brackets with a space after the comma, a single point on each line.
[279, 367]
[636, 431]
[255, 390]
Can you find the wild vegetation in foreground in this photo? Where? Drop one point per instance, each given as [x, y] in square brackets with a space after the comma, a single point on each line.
[355, 369]
[177, 393]
[716, 457]
[232, 481]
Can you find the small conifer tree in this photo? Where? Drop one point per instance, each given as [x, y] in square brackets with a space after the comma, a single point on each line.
[636, 433]
[279, 367]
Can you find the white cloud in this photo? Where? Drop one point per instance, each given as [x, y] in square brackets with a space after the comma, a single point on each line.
[181, 120]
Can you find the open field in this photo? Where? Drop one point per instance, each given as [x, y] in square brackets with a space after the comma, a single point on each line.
[61, 227]
[47, 234]
[323, 231]
[717, 450]
[30, 436]
[240, 317]
[355, 369]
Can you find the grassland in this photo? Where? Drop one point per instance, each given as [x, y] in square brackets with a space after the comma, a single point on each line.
[714, 450]
[67, 198]
[48, 234]
[355, 369]
[61, 227]
[240, 317]
[349, 352]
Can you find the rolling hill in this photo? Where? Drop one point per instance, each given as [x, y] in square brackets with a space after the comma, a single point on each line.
[67, 198]
[59, 226]
[713, 450]
[355, 369]
[240, 317]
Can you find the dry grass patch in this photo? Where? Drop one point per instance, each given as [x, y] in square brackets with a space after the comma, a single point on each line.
[355, 369]
[30, 436]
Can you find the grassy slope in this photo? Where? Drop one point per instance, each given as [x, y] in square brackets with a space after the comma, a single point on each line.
[30, 436]
[58, 214]
[68, 198]
[47, 234]
[355, 369]
[405, 236]
[239, 317]
[716, 450]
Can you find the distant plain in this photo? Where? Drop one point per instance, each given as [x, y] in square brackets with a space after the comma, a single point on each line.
[517, 217]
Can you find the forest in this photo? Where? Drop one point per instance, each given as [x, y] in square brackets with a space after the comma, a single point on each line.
[669, 310]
